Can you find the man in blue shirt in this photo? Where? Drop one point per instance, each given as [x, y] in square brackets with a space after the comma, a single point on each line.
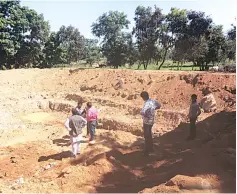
[148, 116]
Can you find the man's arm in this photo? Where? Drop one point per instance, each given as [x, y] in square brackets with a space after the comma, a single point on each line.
[199, 110]
[158, 105]
[202, 101]
[67, 125]
[84, 111]
[143, 111]
[84, 122]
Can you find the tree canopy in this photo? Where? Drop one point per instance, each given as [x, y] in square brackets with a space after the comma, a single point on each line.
[109, 27]
[181, 35]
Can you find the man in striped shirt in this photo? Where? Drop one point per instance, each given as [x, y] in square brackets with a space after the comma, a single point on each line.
[148, 116]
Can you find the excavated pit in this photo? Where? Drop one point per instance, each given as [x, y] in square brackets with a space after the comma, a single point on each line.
[35, 146]
[129, 120]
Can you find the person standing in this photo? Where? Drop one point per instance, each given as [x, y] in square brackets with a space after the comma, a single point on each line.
[80, 110]
[148, 116]
[208, 102]
[194, 112]
[92, 117]
[74, 124]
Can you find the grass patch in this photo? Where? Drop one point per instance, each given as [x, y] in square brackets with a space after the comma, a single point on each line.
[168, 65]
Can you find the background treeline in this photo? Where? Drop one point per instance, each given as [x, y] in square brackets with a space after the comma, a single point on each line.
[181, 36]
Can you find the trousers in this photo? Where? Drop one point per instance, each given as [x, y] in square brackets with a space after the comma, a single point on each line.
[92, 126]
[193, 127]
[75, 141]
[148, 138]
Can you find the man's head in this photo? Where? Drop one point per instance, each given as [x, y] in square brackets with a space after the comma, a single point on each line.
[89, 104]
[144, 95]
[194, 98]
[74, 111]
[79, 104]
[206, 91]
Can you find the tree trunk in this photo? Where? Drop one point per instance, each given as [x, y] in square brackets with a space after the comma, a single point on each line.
[202, 66]
[139, 65]
[146, 64]
[166, 50]
[182, 63]
[17, 65]
[206, 66]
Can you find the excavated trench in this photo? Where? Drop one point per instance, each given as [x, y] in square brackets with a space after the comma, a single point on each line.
[116, 116]
[33, 137]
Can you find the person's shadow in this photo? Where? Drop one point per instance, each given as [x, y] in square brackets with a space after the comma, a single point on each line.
[64, 141]
[59, 156]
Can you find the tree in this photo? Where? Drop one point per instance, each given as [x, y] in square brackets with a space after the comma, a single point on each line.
[192, 39]
[148, 25]
[65, 46]
[54, 53]
[131, 54]
[22, 35]
[9, 32]
[92, 51]
[72, 41]
[109, 27]
[32, 44]
[231, 43]
[177, 24]
[216, 45]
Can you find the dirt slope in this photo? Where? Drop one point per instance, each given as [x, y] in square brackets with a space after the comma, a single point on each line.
[35, 146]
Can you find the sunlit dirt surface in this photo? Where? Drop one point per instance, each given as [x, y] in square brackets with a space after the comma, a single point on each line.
[35, 146]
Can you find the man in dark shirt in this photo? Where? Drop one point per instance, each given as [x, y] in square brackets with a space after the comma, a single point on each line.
[74, 125]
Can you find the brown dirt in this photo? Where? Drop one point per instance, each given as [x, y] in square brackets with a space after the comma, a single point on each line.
[35, 146]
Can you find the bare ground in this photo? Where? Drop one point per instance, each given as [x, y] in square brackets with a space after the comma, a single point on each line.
[35, 146]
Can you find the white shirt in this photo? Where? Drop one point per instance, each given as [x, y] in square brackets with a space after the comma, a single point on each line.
[66, 124]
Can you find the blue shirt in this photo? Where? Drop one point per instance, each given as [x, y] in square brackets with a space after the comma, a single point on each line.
[148, 111]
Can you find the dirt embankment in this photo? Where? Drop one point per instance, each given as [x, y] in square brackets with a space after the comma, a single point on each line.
[35, 146]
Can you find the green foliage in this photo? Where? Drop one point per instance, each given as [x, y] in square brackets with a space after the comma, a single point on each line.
[72, 42]
[109, 26]
[231, 43]
[92, 51]
[148, 29]
[22, 34]
[180, 35]
[54, 53]
[216, 45]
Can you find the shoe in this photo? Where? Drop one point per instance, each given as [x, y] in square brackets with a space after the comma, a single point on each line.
[73, 156]
[78, 153]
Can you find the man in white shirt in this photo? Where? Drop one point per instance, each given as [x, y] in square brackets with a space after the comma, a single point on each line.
[148, 116]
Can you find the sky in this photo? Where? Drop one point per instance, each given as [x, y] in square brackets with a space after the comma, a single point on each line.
[81, 13]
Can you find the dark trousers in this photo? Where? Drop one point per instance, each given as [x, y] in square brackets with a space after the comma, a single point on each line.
[193, 127]
[87, 128]
[148, 138]
[91, 126]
